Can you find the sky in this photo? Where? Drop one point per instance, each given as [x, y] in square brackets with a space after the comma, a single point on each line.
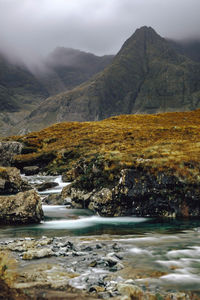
[30, 29]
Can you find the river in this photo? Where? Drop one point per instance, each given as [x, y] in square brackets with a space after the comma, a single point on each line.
[167, 248]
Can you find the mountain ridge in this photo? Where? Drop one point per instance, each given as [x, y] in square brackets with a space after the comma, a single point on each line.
[146, 76]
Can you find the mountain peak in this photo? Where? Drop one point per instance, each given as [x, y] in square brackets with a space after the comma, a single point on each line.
[143, 34]
[147, 29]
[146, 76]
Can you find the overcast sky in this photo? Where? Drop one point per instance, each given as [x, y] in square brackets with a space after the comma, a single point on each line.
[32, 28]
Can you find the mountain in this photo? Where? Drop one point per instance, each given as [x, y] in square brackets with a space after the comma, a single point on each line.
[147, 76]
[21, 90]
[74, 67]
[20, 93]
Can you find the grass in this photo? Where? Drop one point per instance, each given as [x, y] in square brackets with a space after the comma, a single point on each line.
[167, 141]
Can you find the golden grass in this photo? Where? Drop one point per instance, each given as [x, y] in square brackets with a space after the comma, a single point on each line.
[167, 140]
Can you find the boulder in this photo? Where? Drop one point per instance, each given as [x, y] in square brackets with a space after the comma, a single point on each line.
[11, 181]
[79, 198]
[7, 151]
[102, 202]
[22, 208]
[31, 170]
[46, 185]
[37, 253]
[130, 291]
[55, 199]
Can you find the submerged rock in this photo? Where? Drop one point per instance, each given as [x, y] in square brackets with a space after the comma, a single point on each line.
[11, 181]
[46, 185]
[54, 199]
[22, 208]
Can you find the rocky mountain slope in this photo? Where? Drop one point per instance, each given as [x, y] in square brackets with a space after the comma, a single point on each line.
[188, 47]
[146, 76]
[72, 67]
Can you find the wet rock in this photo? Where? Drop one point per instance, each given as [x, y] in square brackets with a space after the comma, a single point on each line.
[93, 264]
[96, 289]
[22, 208]
[139, 192]
[78, 198]
[7, 151]
[11, 181]
[102, 201]
[130, 291]
[53, 199]
[37, 253]
[143, 193]
[46, 185]
[116, 247]
[86, 248]
[31, 170]
[108, 262]
[99, 246]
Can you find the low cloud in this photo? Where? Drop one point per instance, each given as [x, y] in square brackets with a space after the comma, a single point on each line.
[30, 29]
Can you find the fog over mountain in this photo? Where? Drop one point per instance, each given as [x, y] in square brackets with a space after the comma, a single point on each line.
[30, 29]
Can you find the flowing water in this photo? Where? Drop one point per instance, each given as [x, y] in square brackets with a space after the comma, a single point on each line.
[166, 251]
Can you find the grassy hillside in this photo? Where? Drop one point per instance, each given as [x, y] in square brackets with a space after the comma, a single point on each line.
[168, 141]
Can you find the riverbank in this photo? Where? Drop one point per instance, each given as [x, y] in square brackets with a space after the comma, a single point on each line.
[147, 165]
[148, 267]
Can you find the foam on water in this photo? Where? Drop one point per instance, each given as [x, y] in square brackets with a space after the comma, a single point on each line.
[47, 208]
[139, 251]
[38, 179]
[83, 222]
[183, 279]
[192, 252]
[57, 189]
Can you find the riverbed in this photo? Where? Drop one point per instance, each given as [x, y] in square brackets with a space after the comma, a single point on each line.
[158, 255]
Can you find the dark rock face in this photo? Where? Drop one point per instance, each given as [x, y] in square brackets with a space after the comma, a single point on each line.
[142, 193]
[146, 194]
[7, 152]
[11, 181]
[22, 208]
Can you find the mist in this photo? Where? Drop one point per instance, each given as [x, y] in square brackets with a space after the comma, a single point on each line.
[31, 29]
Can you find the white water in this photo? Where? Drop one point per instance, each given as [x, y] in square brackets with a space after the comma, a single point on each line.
[84, 222]
[38, 179]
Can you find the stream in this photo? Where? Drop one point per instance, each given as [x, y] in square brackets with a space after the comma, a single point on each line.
[163, 254]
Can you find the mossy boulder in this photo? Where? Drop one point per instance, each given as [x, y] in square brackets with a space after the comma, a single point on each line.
[22, 208]
[11, 181]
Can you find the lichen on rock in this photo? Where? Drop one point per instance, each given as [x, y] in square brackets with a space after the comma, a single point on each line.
[22, 208]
